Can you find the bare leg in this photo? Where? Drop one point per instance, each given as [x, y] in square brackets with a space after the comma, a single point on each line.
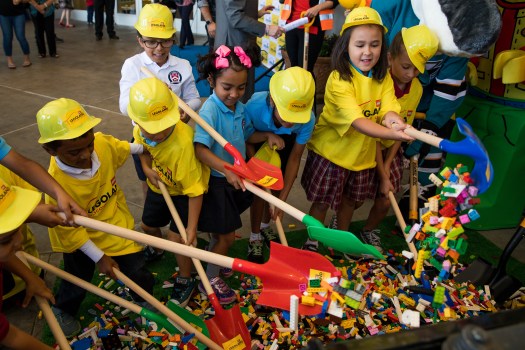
[152, 231]
[377, 213]
[185, 264]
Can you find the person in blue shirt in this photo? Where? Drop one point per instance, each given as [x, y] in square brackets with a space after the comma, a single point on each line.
[286, 111]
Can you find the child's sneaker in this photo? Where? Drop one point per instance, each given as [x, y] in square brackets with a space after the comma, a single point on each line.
[226, 272]
[269, 236]
[151, 254]
[372, 237]
[310, 246]
[70, 326]
[224, 293]
[182, 290]
[255, 251]
[333, 222]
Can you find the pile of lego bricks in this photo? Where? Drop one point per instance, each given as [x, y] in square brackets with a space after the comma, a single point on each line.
[365, 298]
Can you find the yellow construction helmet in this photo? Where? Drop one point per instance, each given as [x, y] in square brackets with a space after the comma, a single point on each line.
[360, 16]
[351, 4]
[421, 44]
[16, 204]
[293, 91]
[152, 105]
[63, 119]
[155, 21]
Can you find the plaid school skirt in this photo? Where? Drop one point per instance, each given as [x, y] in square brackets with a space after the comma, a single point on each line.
[396, 173]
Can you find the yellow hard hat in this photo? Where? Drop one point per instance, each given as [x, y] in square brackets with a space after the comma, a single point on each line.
[63, 119]
[153, 105]
[16, 204]
[421, 44]
[293, 91]
[360, 16]
[350, 4]
[155, 21]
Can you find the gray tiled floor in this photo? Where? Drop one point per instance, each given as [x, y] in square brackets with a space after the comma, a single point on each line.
[88, 71]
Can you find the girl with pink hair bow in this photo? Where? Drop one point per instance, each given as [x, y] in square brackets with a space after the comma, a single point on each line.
[226, 70]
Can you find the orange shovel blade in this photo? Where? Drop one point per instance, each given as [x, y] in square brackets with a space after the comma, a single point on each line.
[227, 327]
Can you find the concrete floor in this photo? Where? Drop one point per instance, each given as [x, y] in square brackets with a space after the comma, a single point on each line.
[88, 72]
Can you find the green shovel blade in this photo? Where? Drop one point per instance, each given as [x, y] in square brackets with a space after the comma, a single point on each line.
[162, 321]
[342, 241]
[192, 319]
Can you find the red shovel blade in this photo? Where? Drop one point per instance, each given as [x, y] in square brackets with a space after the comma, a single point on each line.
[283, 274]
[227, 327]
[256, 170]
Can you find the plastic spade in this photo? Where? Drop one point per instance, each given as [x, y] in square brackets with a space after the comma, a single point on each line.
[343, 241]
[470, 146]
[281, 275]
[226, 325]
[255, 170]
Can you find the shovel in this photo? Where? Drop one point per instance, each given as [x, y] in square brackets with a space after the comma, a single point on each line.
[202, 337]
[470, 146]
[161, 321]
[52, 322]
[401, 221]
[343, 241]
[306, 44]
[255, 170]
[281, 275]
[226, 325]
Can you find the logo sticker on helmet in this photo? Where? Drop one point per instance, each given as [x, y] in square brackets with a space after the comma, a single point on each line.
[75, 118]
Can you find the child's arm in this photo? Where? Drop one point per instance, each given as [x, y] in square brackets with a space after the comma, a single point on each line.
[390, 154]
[151, 174]
[17, 339]
[46, 215]
[194, 210]
[372, 129]
[270, 137]
[206, 156]
[33, 173]
[385, 185]
[34, 284]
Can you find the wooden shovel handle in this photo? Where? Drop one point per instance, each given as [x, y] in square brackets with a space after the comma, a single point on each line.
[278, 224]
[412, 207]
[156, 242]
[202, 123]
[182, 231]
[399, 216]
[422, 136]
[52, 322]
[165, 310]
[83, 284]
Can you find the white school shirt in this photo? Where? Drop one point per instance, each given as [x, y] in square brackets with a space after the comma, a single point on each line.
[176, 72]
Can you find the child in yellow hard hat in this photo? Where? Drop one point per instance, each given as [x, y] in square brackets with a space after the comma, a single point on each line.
[154, 108]
[360, 106]
[409, 51]
[85, 164]
[286, 111]
[16, 205]
[156, 36]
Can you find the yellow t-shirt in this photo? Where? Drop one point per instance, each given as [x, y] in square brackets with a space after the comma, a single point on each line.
[176, 164]
[334, 138]
[408, 103]
[29, 242]
[101, 197]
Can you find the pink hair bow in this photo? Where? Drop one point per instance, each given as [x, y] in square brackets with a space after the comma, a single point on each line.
[243, 57]
[221, 61]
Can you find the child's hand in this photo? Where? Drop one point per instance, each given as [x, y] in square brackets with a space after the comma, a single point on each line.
[46, 214]
[394, 121]
[401, 136]
[37, 286]
[385, 187]
[234, 180]
[69, 206]
[106, 265]
[152, 176]
[266, 10]
[275, 141]
[192, 237]
[184, 117]
[276, 212]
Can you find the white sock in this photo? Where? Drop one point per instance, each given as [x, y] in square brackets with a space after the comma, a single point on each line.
[309, 241]
[265, 225]
[255, 237]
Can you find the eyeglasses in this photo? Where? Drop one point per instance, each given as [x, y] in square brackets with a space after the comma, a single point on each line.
[152, 44]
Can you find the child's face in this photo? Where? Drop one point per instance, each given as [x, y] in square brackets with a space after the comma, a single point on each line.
[9, 244]
[158, 50]
[364, 46]
[403, 70]
[278, 121]
[230, 86]
[77, 152]
[158, 137]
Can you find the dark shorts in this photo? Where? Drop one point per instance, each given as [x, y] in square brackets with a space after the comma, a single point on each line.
[157, 214]
[326, 182]
[396, 173]
[138, 165]
[222, 207]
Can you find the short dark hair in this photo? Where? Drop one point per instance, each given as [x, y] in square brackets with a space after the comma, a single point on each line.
[397, 45]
